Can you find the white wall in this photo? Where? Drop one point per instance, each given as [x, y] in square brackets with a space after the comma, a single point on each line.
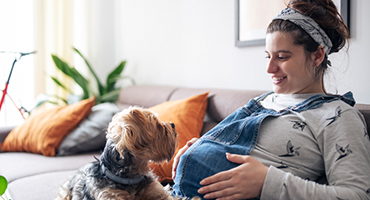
[191, 44]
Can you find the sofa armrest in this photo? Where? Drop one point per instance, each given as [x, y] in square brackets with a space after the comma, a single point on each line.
[4, 131]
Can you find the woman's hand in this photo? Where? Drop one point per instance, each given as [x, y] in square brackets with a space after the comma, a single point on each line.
[179, 154]
[242, 182]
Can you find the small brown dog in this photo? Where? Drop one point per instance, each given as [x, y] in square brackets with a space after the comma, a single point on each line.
[135, 136]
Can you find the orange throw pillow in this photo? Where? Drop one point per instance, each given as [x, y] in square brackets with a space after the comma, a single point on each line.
[43, 132]
[187, 115]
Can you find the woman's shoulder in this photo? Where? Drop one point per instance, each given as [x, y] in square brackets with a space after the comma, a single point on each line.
[336, 110]
[340, 102]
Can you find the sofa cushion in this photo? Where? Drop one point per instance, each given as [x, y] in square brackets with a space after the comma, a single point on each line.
[16, 165]
[43, 132]
[40, 186]
[89, 135]
[187, 115]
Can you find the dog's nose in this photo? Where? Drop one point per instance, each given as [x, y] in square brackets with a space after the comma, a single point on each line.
[172, 125]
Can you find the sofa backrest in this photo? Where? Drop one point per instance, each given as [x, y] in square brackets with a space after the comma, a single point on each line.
[221, 102]
[365, 110]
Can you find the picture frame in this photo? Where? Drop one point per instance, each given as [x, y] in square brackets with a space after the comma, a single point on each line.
[252, 32]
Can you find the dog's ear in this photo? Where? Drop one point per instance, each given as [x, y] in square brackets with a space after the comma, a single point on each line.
[140, 132]
[131, 130]
[120, 135]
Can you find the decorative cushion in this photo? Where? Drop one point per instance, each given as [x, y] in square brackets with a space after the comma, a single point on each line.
[187, 115]
[43, 132]
[90, 133]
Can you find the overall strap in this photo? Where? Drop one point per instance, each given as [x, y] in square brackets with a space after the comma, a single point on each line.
[318, 100]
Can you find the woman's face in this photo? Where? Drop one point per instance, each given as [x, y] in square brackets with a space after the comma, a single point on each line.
[291, 72]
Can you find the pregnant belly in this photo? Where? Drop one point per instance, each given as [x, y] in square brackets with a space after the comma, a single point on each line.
[205, 158]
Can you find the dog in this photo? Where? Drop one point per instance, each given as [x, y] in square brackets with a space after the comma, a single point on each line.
[135, 136]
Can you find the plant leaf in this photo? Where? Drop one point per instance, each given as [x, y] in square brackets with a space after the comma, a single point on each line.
[42, 102]
[3, 185]
[112, 77]
[47, 100]
[111, 96]
[61, 85]
[82, 82]
[58, 98]
[124, 77]
[100, 86]
[62, 66]
[73, 73]
[97, 100]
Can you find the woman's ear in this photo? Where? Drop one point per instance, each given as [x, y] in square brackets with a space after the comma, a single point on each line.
[318, 55]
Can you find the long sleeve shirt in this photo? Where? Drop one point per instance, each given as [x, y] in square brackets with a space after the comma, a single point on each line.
[302, 148]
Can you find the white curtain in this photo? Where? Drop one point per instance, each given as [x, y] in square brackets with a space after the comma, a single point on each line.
[45, 26]
[53, 35]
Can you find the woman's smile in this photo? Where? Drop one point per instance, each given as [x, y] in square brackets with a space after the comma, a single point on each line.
[277, 80]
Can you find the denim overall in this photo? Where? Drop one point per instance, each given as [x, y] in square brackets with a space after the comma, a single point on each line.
[236, 134]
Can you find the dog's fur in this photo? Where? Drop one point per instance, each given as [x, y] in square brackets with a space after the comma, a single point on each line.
[135, 136]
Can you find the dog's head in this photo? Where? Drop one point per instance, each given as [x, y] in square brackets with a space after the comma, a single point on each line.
[140, 132]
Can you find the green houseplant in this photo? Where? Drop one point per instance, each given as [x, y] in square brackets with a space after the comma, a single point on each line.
[3, 186]
[106, 93]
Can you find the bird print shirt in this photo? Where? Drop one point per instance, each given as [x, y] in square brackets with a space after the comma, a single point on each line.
[322, 153]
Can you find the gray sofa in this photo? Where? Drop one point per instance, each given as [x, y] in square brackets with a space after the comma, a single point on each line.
[33, 176]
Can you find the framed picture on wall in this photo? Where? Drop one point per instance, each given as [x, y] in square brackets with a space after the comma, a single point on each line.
[252, 18]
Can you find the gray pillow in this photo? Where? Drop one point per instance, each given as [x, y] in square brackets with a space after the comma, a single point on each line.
[90, 133]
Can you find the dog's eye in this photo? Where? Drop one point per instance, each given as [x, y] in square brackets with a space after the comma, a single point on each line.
[172, 125]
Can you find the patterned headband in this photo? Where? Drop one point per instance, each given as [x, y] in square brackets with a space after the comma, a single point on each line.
[308, 25]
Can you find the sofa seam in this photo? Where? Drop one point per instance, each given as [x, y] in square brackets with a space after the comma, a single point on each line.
[41, 173]
[171, 93]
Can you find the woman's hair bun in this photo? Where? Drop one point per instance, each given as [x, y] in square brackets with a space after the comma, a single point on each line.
[326, 14]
